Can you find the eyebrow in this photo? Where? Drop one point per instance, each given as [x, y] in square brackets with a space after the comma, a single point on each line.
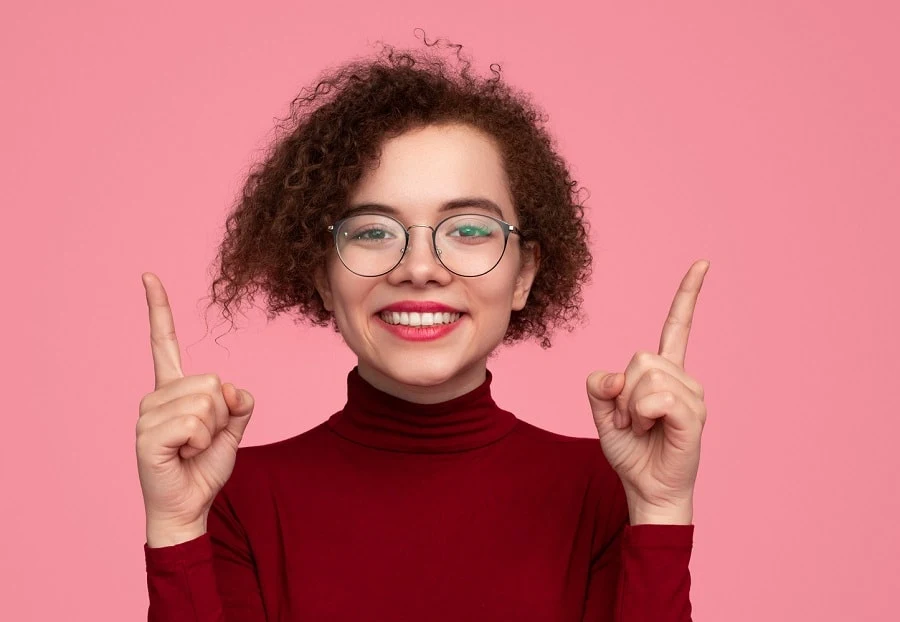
[478, 202]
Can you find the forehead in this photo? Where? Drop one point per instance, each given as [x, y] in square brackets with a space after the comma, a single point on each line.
[425, 168]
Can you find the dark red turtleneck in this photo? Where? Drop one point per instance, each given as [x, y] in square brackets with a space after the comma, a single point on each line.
[391, 510]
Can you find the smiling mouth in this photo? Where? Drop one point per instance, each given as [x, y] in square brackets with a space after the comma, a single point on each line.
[416, 319]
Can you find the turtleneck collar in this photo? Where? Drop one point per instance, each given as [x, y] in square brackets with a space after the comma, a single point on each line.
[377, 419]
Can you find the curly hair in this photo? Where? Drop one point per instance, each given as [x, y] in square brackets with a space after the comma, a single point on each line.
[276, 234]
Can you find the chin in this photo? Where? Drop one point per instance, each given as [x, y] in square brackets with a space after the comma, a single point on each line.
[424, 371]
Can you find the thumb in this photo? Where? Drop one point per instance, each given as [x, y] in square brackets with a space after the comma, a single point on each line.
[603, 388]
[240, 407]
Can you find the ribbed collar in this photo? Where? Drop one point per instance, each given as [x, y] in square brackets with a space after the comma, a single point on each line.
[377, 419]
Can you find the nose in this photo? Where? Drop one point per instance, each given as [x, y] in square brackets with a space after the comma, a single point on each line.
[420, 264]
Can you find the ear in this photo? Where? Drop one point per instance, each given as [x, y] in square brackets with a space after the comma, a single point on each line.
[324, 288]
[531, 260]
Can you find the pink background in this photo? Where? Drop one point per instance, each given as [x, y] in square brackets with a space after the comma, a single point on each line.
[762, 136]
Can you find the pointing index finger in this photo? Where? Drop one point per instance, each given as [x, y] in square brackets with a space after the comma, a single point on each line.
[163, 343]
[674, 339]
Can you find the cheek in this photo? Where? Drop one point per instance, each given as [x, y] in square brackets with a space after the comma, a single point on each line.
[341, 296]
[351, 294]
[493, 296]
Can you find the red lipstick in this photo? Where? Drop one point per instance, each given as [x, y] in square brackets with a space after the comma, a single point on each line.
[418, 332]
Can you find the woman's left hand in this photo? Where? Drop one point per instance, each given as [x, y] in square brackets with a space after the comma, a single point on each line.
[651, 417]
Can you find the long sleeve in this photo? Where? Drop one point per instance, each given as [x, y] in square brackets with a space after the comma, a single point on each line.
[211, 578]
[640, 573]
[441, 512]
[181, 582]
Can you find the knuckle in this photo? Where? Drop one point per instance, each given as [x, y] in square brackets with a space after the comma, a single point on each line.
[637, 407]
[140, 445]
[677, 320]
[160, 338]
[657, 376]
[204, 403]
[644, 357]
[143, 442]
[640, 408]
[148, 403]
[193, 424]
[212, 382]
[138, 433]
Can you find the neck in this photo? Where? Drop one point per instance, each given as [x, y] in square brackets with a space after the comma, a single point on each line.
[423, 390]
[383, 421]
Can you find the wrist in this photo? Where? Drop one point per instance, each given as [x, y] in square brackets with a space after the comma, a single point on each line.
[160, 534]
[683, 517]
[679, 513]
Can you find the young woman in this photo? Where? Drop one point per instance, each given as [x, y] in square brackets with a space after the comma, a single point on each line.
[426, 215]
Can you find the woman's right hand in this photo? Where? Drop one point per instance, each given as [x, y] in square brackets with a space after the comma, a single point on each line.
[188, 433]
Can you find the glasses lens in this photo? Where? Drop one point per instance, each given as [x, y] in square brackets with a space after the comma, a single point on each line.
[370, 244]
[470, 244]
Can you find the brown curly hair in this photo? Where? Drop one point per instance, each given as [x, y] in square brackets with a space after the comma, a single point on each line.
[276, 235]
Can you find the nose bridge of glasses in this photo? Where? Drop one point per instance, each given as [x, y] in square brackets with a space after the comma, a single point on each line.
[429, 241]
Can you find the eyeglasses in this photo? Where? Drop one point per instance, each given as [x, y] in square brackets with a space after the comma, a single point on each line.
[466, 244]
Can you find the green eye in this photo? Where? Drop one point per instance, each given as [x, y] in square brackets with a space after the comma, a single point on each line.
[371, 234]
[471, 231]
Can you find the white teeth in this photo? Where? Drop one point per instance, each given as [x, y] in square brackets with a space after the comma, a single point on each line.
[418, 319]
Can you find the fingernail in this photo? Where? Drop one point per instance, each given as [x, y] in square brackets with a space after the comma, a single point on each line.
[239, 394]
[609, 380]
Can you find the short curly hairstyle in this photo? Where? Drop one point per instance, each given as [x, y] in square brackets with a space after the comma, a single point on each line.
[276, 236]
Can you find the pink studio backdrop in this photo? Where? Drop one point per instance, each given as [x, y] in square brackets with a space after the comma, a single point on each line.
[762, 136]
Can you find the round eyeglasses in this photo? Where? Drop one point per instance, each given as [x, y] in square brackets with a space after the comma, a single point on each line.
[466, 244]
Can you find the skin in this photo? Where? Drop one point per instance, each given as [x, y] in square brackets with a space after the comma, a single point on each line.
[187, 433]
[419, 171]
[649, 418]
